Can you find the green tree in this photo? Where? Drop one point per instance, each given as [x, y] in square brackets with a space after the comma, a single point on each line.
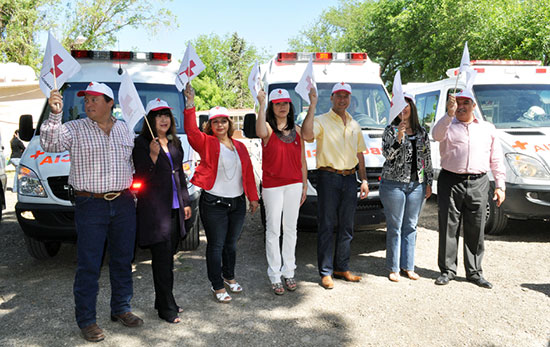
[228, 60]
[97, 21]
[424, 38]
[19, 22]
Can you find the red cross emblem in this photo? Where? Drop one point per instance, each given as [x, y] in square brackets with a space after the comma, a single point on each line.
[189, 71]
[37, 154]
[126, 104]
[280, 91]
[342, 83]
[56, 61]
[309, 84]
[91, 84]
[520, 145]
[158, 99]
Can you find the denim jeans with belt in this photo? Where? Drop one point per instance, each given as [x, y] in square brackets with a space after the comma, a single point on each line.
[336, 204]
[223, 220]
[402, 204]
[98, 221]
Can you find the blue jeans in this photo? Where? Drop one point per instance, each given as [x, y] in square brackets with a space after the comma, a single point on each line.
[223, 220]
[402, 204]
[99, 221]
[336, 204]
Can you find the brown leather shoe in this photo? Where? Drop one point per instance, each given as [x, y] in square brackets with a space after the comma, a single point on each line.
[326, 282]
[346, 275]
[127, 318]
[92, 333]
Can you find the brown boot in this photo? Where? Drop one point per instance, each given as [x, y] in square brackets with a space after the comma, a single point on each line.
[92, 333]
[346, 275]
[326, 282]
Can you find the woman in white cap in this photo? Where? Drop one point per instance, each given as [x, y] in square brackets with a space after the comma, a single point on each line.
[406, 180]
[225, 174]
[163, 200]
[284, 182]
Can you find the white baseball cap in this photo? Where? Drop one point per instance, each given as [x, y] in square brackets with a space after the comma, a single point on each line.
[409, 96]
[465, 94]
[96, 88]
[156, 104]
[218, 111]
[341, 87]
[279, 95]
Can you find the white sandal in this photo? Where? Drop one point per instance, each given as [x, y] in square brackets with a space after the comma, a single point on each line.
[222, 297]
[233, 287]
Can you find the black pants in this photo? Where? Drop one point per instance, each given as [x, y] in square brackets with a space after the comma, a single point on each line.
[461, 201]
[163, 275]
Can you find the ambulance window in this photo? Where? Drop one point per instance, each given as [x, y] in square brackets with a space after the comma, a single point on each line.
[426, 105]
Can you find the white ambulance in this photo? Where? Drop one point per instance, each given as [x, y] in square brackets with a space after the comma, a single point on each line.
[369, 107]
[515, 97]
[43, 209]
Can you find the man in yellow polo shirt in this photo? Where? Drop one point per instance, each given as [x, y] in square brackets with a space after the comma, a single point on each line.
[340, 148]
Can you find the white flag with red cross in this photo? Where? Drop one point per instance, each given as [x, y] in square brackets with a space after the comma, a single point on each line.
[255, 82]
[398, 102]
[465, 61]
[306, 82]
[58, 66]
[190, 67]
[130, 103]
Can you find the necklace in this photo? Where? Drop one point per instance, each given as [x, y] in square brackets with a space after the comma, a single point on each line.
[225, 173]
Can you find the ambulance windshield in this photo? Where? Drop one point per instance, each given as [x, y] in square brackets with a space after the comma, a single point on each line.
[515, 106]
[73, 106]
[370, 105]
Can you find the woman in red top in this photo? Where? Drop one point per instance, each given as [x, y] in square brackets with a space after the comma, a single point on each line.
[226, 177]
[284, 182]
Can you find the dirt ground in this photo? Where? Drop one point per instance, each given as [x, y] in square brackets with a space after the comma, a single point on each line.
[36, 301]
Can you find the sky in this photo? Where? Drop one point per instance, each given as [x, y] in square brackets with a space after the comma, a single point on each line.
[265, 24]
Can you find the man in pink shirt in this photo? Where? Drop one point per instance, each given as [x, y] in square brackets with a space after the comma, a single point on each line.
[469, 148]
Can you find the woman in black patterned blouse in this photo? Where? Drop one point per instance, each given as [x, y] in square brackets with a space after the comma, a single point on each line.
[406, 180]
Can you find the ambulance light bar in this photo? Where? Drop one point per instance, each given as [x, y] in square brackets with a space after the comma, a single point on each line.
[121, 55]
[507, 62]
[321, 57]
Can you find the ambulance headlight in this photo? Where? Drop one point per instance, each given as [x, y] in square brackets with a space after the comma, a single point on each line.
[527, 167]
[29, 184]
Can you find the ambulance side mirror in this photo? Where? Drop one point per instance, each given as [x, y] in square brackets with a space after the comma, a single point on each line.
[249, 126]
[25, 127]
[203, 119]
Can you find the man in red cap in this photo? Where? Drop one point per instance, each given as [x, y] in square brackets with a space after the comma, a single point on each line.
[101, 172]
[340, 147]
[469, 147]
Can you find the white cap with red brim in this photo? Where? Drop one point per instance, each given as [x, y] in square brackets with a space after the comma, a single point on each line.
[465, 94]
[408, 96]
[156, 104]
[96, 88]
[341, 87]
[218, 111]
[279, 95]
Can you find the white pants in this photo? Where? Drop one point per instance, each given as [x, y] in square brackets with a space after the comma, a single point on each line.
[283, 201]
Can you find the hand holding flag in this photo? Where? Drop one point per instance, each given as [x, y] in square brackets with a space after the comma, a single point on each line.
[57, 67]
[190, 67]
[398, 102]
[306, 82]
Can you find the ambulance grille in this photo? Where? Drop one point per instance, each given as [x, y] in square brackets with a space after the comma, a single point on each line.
[59, 186]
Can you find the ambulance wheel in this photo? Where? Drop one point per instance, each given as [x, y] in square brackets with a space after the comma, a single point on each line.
[192, 240]
[496, 219]
[41, 250]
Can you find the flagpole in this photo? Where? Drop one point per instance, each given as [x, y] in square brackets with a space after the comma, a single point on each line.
[54, 77]
[149, 126]
[456, 84]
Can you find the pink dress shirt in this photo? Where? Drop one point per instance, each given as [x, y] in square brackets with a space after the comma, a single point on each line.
[470, 148]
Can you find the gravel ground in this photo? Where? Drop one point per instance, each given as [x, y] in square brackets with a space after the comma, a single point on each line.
[36, 301]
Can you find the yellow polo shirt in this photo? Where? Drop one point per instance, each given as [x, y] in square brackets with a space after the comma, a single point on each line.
[337, 144]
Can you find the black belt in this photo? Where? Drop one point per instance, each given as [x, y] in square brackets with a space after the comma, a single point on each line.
[464, 176]
[107, 196]
[339, 172]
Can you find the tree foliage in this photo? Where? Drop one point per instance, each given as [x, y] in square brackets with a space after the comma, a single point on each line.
[424, 38]
[19, 22]
[228, 61]
[97, 21]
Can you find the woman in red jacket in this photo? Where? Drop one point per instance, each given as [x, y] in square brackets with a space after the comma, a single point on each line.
[226, 177]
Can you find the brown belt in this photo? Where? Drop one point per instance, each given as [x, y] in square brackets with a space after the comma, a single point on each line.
[339, 172]
[107, 196]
